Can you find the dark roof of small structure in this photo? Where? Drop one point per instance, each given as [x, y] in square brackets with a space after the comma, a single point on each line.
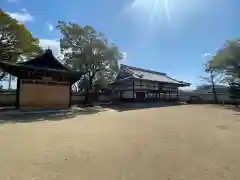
[45, 62]
[144, 74]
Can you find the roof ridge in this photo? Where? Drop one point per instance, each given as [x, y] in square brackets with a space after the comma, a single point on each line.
[144, 70]
[174, 79]
[126, 68]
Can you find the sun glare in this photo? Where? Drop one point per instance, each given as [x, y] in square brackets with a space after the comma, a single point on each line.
[170, 9]
[152, 8]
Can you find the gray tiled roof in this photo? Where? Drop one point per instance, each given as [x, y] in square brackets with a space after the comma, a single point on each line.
[144, 74]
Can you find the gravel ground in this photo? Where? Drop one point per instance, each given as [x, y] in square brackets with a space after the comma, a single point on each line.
[188, 142]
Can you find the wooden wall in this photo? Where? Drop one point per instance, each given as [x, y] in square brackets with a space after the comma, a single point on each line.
[43, 95]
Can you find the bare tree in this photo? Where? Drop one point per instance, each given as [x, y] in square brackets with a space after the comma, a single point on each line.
[211, 77]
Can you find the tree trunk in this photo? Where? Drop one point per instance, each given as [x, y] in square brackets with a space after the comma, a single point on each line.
[214, 94]
[9, 82]
[86, 96]
[213, 89]
[88, 89]
[91, 82]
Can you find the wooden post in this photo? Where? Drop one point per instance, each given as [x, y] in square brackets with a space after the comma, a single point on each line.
[177, 95]
[70, 95]
[18, 93]
[159, 92]
[169, 94]
[133, 89]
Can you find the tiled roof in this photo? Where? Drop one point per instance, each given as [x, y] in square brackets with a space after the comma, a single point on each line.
[144, 74]
[46, 60]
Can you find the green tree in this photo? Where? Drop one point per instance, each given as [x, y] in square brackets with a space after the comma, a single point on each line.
[88, 51]
[227, 60]
[15, 40]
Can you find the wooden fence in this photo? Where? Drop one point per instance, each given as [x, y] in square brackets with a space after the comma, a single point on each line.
[8, 98]
[224, 98]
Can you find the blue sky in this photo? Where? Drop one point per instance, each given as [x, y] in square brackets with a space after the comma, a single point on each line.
[171, 36]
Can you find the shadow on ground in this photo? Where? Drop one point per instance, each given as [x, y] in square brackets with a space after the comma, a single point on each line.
[231, 108]
[14, 116]
[137, 106]
[24, 117]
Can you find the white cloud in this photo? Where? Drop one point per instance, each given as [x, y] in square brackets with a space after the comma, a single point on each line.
[52, 44]
[50, 26]
[206, 54]
[124, 60]
[124, 55]
[12, 1]
[24, 10]
[22, 16]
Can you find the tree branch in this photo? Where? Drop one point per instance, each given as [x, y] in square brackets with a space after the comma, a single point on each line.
[3, 75]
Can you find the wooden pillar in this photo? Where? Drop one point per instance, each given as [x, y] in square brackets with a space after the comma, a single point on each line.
[169, 94]
[70, 94]
[159, 92]
[177, 95]
[18, 93]
[133, 89]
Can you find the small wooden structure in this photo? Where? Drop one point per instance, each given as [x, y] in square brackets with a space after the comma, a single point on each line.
[43, 82]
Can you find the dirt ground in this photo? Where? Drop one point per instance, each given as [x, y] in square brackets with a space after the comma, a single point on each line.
[188, 142]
